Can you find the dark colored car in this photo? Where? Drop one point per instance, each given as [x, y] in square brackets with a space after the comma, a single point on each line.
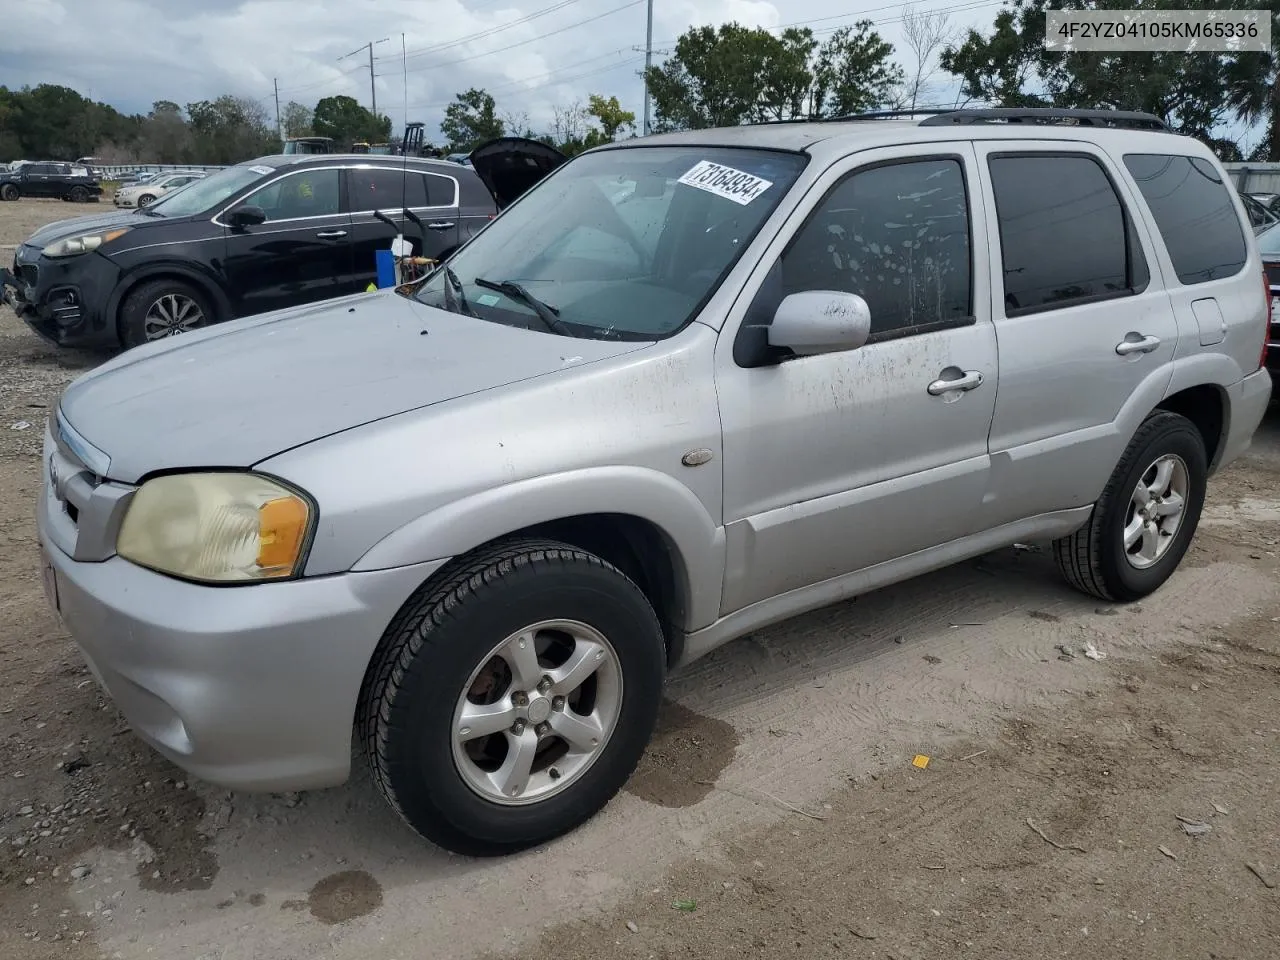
[1269, 247]
[271, 233]
[59, 181]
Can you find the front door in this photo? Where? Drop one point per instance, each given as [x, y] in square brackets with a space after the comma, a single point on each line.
[389, 190]
[837, 462]
[42, 180]
[1082, 330]
[300, 255]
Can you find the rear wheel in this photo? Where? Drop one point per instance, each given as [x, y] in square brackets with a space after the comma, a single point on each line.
[1143, 523]
[162, 308]
[9, 192]
[510, 702]
[79, 195]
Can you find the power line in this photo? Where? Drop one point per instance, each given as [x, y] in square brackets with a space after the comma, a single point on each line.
[437, 47]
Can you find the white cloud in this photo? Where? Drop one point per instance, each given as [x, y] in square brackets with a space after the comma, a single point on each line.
[132, 52]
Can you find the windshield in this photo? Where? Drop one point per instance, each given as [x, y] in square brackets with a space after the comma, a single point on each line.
[624, 244]
[207, 192]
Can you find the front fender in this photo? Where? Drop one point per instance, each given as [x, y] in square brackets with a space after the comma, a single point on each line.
[696, 540]
[201, 278]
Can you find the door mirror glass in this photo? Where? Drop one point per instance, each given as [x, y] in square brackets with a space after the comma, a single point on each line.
[820, 321]
[247, 216]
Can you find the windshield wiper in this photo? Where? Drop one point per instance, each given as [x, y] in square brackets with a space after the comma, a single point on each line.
[549, 315]
[456, 302]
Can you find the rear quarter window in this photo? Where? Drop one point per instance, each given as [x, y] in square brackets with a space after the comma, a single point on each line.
[1193, 209]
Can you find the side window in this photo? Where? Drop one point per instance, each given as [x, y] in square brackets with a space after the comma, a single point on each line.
[441, 191]
[1064, 233]
[309, 193]
[378, 189]
[897, 236]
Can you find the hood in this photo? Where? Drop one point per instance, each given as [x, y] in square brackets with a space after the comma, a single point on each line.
[509, 166]
[243, 391]
[76, 226]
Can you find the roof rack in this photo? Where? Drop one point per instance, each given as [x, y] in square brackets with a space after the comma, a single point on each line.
[1127, 119]
[889, 114]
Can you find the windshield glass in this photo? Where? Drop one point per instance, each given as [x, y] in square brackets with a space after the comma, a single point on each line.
[624, 244]
[207, 192]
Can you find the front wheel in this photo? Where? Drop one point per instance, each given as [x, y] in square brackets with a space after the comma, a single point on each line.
[162, 308]
[9, 192]
[1143, 523]
[79, 195]
[145, 199]
[509, 703]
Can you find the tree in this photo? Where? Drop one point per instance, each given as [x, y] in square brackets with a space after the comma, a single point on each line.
[735, 74]
[611, 116]
[230, 129]
[926, 33]
[343, 119]
[296, 119]
[1193, 92]
[471, 120]
[166, 138]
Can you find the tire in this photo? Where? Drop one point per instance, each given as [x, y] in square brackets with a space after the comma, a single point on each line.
[9, 192]
[138, 323]
[145, 199]
[434, 655]
[79, 195]
[1095, 558]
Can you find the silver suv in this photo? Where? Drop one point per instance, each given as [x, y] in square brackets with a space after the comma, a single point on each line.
[687, 387]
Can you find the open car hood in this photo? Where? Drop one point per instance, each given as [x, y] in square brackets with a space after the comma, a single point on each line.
[509, 166]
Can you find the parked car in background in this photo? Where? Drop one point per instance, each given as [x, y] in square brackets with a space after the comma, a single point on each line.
[474, 526]
[61, 181]
[270, 233]
[142, 194]
[307, 145]
[458, 158]
[1269, 248]
[1261, 217]
[1269, 200]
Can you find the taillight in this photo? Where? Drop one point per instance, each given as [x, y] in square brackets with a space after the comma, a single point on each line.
[1266, 331]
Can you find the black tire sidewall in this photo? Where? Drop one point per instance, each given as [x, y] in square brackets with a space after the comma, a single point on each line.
[1174, 435]
[134, 310]
[79, 195]
[9, 192]
[431, 793]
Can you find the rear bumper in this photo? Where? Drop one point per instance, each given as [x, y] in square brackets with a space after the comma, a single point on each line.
[1248, 404]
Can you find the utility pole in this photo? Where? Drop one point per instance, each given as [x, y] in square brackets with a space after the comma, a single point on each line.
[648, 62]
[279, 125]
[373, 90]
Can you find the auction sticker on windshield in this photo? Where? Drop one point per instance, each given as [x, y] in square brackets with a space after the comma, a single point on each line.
[735, 185]
[262, 171]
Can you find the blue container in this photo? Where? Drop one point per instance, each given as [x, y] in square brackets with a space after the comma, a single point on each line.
[386, 269]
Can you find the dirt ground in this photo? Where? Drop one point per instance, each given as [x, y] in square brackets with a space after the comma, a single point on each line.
[1071, 807]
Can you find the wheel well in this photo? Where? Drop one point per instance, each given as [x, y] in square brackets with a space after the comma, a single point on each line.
[1205, 408]
[216, 299]
[636, 547]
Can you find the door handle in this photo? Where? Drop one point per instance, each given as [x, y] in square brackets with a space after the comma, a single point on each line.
[1141, 345]
[971, 380]
[441, 225]
[331, 234]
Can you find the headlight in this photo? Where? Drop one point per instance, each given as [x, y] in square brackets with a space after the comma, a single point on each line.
[74, 246]
[216, 527]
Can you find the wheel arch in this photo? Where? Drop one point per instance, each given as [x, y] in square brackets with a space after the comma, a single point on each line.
[167, 271]
[1206, 406]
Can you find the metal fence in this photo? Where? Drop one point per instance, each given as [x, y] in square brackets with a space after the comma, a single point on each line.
[112, 171]
[1255, 177]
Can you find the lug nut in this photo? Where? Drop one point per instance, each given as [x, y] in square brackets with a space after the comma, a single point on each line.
[543, 729]
[544, 684]
[557, 703]
[518, 727]
[520, 699]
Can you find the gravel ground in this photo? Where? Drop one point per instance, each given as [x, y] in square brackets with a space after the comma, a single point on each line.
[1125, 807]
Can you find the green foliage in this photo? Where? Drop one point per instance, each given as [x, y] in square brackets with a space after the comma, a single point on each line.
[471, 120]
[734, 74]
[613, 119]
[1193, 92]
[343, 119]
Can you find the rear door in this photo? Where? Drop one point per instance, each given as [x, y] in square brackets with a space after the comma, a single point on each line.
[41, 181]
[389, 190]
[1082, 329]
[301, 254]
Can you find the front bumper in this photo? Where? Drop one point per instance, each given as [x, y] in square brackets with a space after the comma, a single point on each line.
[250, 687]
[63, 300]
[124, 201]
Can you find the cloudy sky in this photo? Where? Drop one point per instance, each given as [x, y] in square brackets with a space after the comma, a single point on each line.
[530, 54]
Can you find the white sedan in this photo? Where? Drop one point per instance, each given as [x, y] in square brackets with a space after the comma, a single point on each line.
[141, 194]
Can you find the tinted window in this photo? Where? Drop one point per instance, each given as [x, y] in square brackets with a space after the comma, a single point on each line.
[440, 191]
[1193, 209]
[385, 189]
[310, 193]
[43, 169]
[897, 236]
[1064, 234]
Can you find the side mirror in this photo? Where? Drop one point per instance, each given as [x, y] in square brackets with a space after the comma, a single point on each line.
[820, 321]
[247, 216]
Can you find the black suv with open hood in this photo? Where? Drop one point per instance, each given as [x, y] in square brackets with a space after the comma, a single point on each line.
[271, 233]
